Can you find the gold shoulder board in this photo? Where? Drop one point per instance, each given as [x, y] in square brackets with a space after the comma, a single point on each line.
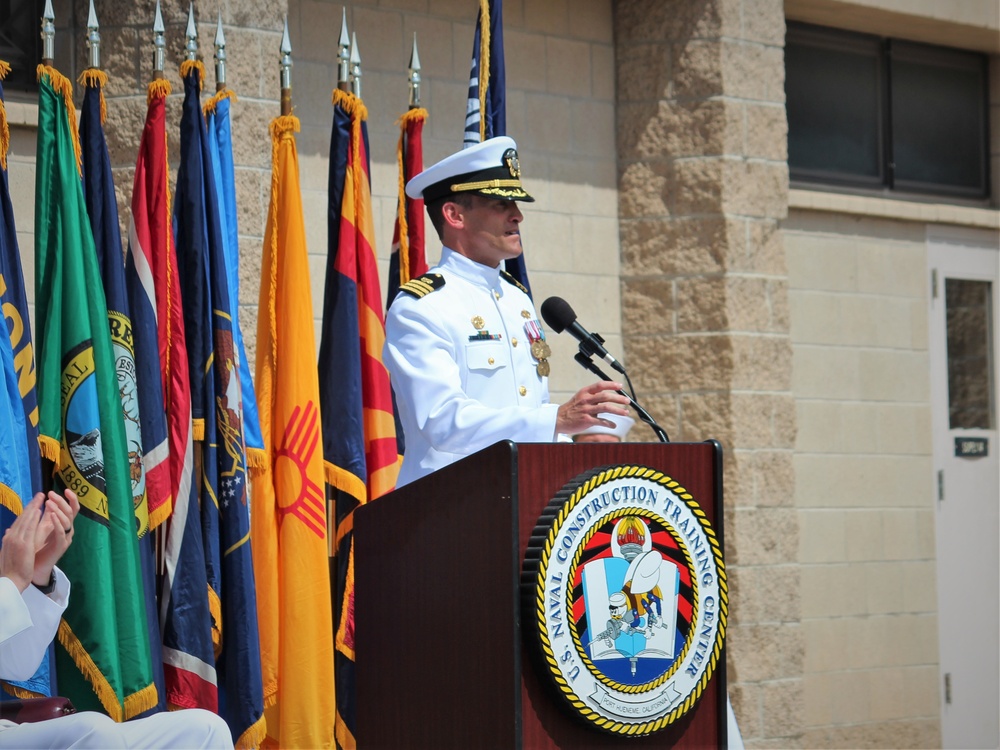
[423, 285]
[511, 280]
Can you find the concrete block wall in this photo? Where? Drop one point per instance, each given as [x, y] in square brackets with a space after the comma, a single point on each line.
[863, 460]
[703, 183]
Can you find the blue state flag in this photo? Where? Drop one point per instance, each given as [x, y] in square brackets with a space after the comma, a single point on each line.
[20, 459]
[220, 142]
[486, 112]
[193, 617]
[16, 312]
[216, 395]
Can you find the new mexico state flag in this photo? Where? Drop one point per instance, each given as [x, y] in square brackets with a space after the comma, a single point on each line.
[104, 661]
[288, 519]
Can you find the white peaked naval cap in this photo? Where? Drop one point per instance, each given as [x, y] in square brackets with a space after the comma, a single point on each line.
[490, 169]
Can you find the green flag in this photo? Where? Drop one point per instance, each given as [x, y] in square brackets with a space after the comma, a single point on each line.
[104, 661]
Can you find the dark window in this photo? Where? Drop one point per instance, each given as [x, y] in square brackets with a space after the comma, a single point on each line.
[884, 113]
[969, 313]
[21, 42]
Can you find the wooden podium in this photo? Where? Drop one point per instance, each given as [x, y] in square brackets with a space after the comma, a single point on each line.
[442, 660]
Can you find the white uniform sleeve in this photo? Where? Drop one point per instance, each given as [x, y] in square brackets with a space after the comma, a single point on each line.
[28, 623]
[423, 366]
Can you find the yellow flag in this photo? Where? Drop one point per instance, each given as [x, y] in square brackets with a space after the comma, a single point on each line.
[289, 528]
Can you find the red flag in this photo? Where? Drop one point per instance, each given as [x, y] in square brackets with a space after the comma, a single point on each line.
[408, 260]
[154, 294]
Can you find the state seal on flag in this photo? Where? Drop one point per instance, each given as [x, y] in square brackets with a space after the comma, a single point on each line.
[625, 595]
[82, 460]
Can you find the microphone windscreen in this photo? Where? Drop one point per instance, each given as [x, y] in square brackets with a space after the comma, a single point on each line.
[557, 313]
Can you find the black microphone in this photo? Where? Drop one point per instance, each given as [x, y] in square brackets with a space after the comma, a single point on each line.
[559, 316]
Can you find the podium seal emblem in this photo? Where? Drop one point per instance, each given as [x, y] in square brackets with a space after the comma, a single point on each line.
[625, 594]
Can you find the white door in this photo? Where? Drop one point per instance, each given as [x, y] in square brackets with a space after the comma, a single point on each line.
[963, 342]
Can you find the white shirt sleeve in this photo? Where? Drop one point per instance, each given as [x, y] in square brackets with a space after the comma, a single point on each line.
[28, 623]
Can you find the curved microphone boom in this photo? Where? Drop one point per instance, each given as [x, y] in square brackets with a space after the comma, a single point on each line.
[559, 316]
[644, 415]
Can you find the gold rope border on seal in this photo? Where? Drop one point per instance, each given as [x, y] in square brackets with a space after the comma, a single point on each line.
[618, 727]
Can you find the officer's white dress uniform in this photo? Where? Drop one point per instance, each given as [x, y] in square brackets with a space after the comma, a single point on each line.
[458, 339]
[28, 623]
[460, 363]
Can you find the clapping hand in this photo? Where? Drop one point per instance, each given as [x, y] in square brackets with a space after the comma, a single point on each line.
[54, 534]
[38, 538]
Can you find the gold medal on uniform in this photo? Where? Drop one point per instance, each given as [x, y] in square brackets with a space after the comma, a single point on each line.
[539, 348]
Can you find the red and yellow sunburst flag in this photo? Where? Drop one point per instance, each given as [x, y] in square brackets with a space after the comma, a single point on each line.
[289, 510]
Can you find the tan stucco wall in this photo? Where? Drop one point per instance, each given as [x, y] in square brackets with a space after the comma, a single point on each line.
[858, 298]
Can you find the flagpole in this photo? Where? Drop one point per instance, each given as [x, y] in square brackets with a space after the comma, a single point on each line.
[344, 57]
[355, 66]
[220, 56]
[414, 75]
[191, 48]
[159, 44]
[48, 35]
[286, 72]
[93, 39]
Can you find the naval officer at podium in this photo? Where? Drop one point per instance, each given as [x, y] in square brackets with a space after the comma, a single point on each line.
[465, 350]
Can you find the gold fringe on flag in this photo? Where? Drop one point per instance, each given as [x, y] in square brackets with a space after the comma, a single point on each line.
[484, 63]
[64, 87]
[49, 448]
[4, 130]
[253, 736]
[418, 114]
[347, 615]
[351, 103]
[210, 105]
[345, 481]
[10, 500]
[105, 693]
[188, 65]
[19, 692]
[141, 702]
[197, 429]
[257, 463]
[283, 126]
[157, 89]
[98, 78]
[162, 513]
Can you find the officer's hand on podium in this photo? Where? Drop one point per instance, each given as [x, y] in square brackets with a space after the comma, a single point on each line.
[583, 409]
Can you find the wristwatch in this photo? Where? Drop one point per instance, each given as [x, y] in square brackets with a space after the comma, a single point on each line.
[49, 587]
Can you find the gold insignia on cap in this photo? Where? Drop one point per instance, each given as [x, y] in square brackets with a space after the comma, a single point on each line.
[478, 322]
[511, 162]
